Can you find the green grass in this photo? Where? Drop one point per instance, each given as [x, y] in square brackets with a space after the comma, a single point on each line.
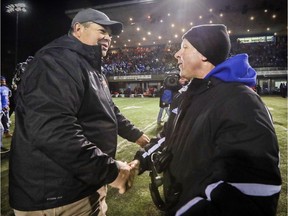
[278, 108]
[143, 113]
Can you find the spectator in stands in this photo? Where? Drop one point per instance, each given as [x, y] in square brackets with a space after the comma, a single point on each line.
[63, 148]
[221, 155]
[5, 95]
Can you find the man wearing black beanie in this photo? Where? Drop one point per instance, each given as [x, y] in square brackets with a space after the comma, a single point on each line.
[220, 155]
[210, 38]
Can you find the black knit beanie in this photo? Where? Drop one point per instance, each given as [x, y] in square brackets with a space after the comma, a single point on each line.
[211, 40]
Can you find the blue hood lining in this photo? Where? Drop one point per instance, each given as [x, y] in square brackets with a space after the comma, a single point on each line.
[235, 69]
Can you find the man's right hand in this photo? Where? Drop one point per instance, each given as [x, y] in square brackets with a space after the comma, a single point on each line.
[133, 172]
[122, 178]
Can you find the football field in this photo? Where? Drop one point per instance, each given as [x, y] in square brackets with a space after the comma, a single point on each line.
[143, 113]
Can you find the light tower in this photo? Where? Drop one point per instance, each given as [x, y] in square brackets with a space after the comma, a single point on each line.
[16, 8]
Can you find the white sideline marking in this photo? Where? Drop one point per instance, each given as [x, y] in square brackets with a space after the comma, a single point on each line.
[125, 142]
[131, 107]
[149, 126]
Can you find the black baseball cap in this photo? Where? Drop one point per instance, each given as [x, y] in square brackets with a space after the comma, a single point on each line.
[92, 15]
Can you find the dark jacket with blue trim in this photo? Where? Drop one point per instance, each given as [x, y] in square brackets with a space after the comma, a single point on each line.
[225, 156]
[224, 144]
[224, 133]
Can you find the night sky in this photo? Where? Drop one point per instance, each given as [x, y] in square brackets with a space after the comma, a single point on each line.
[44, 21]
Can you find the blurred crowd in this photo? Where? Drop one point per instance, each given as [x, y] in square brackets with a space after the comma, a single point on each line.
[267, 54]
[140, 60]
[159, 58]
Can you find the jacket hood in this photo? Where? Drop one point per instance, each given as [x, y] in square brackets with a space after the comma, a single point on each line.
[235, 69]
[90, 53]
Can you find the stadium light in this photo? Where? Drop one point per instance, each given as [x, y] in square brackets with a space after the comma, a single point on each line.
[16, 8]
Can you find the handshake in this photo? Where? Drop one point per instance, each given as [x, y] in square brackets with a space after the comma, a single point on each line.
[128, 171]
[126, 175]
[142, 162]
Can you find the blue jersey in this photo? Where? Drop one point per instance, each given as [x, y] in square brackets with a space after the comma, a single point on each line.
[5, 94]
[167, 96]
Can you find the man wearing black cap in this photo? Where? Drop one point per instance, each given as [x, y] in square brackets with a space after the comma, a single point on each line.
[65, 138]
[220, 156]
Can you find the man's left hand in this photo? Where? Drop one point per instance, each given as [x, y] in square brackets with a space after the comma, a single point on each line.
[143, 140]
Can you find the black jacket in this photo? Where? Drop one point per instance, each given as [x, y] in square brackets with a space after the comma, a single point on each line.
[224, 153]
[66, 128]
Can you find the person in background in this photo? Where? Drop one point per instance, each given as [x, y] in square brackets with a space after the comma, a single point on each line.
[5, 95]
[65, 139]
[283, 90]
[166, 96]
[176, 101]
[220, 156]
[142, 158]
[3, 149]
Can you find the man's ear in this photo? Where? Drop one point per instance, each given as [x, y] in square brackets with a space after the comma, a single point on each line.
[77, 29]
[203, 58]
